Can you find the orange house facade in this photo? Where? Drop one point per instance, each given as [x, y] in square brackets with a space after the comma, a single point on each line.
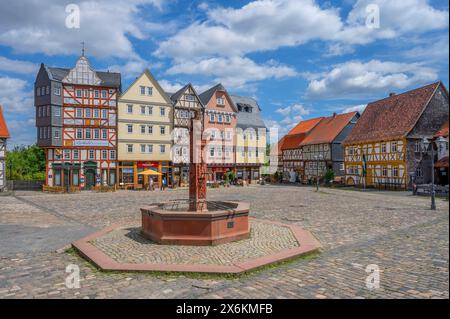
[220, 123]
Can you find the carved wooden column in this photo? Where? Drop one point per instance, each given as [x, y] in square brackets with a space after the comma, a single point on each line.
[197, 166]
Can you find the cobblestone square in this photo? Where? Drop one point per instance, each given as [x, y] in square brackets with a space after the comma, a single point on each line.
[392, 230]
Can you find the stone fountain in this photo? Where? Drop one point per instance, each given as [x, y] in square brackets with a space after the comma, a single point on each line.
[196, 221]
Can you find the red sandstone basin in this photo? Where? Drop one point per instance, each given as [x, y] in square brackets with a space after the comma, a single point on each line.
[212, 227]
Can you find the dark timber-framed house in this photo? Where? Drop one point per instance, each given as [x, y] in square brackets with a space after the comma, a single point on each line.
[384, 148]
[4, 135]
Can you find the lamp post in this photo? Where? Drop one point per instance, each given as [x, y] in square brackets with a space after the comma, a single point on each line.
[425, 144]
[317, 158]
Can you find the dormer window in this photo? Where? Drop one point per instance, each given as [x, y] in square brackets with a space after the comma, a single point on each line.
[190, 97]
[220, 101]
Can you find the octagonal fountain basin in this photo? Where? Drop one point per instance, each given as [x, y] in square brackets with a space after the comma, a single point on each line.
[172, 223]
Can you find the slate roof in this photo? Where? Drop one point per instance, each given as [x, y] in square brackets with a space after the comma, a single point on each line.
[4, 133]
[443, 131]
[207, 95]
[174, 97]
[248, 119]
[109, 79]
[328, 129]
[393, 117]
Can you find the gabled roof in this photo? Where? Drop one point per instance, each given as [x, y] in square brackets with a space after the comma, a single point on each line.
[206, 96]
[4, 133]
[305, 126]
[109, 79]
[293, 141]
[177, 95]
[328, 129]
[393, 117]
[248, 119]
[443, 131]
[153, 80]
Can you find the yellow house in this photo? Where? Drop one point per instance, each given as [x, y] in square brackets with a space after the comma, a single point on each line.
[251, 140]
[144, 132]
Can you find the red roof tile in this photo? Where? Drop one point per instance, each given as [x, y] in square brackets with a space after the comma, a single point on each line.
[392, 117]
[328, 129]
[305, 126]
[443, 131]
[4, 133]
[293, 141]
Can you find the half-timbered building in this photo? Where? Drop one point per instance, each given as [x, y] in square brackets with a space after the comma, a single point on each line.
[220, 126]
[4, 135]
[250, 139]
[384, 148]
[185, 102]
[322, 150]
[441, 165]
[145, 127]
[76, 119]
[290, 147]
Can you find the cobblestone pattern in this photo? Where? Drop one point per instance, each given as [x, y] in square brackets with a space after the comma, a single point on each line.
[397, 232]
[126, 245]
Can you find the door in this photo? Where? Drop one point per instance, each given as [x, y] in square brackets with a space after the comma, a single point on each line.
[90, 179]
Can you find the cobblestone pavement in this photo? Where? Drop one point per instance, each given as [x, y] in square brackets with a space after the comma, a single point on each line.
[399, 234]
[126, 245]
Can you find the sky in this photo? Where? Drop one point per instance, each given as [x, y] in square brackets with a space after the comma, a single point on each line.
[299, 58]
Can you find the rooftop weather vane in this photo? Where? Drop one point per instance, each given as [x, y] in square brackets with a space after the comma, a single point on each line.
[82, 48]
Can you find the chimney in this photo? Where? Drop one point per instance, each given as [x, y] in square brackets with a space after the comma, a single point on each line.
[391, 94]
[334, 114]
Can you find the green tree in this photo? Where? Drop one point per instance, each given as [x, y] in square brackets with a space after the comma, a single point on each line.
[25, 163]
[329, 176]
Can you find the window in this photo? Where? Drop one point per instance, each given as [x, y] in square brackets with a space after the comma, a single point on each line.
[143, 109]
[150, 129]
[112, 155]
[150, 110]
[104, 94]
[130, 148]
[211, 152]
[96, 133]
[220, 101]
[162, 149]
[39, 111]
[88, 133]
[130, 108]
[395, 171]
[78, 93]
[190, 97]
[38, 91]
[227, 118]
[104, 154]
[76, 154]
[96, 113]
[383, 147]
[143, 148]
[56, 133]
[211, 117]
[150, 148]
[79, 133]
[149, 91]
[96, 94]
[67, 154]
[220, 118]
[162, 111]
[142, 90]
[143, 129]
[419, 171]
[130, 128]
[104, 134]
[48, 110]
[384, 171]
[104, 114]
[418, 146]
[162, 130]
[57, 111]
[91, 154]
[228, 135]
[57, 91]
[79, 113]
[394, 148]
[88, 113]
[86, 93]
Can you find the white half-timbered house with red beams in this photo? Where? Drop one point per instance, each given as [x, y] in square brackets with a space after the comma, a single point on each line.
[76, 117]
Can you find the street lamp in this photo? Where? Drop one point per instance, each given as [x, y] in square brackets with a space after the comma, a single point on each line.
[317, 158]
[425, 144]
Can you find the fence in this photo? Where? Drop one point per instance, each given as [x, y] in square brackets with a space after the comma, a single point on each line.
[24, 185]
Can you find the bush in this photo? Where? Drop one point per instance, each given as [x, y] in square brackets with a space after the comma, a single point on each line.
[329, 176]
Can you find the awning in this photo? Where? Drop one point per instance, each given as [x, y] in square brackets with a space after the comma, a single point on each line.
[442, 163]
[149, 172]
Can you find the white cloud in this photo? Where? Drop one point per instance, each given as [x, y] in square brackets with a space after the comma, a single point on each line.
[170, 87]
[233, 72]
[17, 66]
[15, 97]
[291, 116]
[358, 108]
[357, 79]
[39, 27]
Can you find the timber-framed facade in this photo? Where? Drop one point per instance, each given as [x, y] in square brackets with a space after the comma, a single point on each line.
[4, 135]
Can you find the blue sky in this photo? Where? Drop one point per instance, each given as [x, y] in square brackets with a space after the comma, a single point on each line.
[299, 58]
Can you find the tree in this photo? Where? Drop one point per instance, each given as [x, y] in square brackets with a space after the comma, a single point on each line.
[25, 163]
[329, 176]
